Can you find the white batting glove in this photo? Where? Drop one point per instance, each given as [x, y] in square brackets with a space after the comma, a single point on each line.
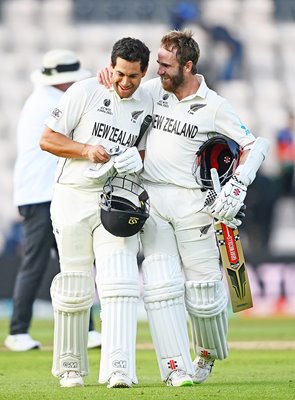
[128, 162]
[229, 201]
[231, 223]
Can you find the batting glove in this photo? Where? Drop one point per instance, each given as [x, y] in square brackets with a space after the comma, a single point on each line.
[128, 162]
[230, 200]
[231, 223]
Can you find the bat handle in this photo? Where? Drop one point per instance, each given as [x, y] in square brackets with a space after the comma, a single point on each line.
[215, 180]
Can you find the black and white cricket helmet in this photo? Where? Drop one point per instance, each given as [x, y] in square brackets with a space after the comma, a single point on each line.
[219, 152]
[124, 206]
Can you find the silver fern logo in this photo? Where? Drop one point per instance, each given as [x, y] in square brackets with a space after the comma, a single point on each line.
[195, 107]
[135, 115]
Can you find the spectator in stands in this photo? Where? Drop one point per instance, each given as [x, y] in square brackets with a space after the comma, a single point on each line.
[285, 146]
[33, 186]
[189, 12]
[184, 12]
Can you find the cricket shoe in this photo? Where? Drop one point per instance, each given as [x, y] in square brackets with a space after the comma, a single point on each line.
[71, 379]
[203, 367]
[94, 340]
[21, 342]
[179, 378]
[119, 380]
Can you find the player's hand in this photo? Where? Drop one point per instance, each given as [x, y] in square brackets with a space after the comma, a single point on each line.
[229, 201]
[96, 154]
[233, 222]
[128, 162]
[104, 77]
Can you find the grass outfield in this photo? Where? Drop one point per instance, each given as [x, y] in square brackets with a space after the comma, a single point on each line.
[261, 365]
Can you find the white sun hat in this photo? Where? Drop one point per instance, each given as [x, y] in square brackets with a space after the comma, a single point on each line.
[59, 66]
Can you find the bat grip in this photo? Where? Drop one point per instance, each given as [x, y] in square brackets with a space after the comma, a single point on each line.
[215, 180]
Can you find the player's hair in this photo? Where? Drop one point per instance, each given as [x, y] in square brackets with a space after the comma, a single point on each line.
[187, 49]
[131, 49]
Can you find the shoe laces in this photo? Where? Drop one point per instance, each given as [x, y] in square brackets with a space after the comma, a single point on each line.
[205, 363]
[70, 374]
[179, 372]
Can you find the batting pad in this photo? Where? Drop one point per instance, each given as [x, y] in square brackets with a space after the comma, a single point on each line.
[207, 307]
[164, 304]
[72, 296]
[118, 287]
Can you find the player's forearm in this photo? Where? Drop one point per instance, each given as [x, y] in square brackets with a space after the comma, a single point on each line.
[62, 146]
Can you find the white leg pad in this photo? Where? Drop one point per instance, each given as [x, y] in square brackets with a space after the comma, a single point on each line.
[72, 296]
[164, 304]
[207, 307]
[118, 287]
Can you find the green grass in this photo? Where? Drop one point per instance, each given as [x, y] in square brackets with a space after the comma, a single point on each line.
[246, 374]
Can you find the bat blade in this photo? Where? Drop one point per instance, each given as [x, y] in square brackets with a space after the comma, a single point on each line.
[233, 261]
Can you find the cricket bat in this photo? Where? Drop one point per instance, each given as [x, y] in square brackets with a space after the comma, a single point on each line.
[233, 260]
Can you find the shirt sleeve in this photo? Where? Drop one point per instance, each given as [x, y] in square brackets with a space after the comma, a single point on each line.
[66, 115]
[228, 123]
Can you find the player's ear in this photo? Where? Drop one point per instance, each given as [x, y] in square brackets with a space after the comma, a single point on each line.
[188, 66]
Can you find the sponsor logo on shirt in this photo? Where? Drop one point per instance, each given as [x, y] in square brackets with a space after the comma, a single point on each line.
[163, 102]
[56, 113]
[105, 108]
[245, 129]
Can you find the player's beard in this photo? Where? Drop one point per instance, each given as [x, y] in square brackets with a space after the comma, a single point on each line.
[173, 82]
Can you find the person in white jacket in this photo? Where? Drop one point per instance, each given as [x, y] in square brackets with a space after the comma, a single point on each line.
[33, 188]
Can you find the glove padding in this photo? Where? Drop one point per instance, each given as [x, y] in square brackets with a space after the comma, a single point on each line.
[128, 162]
[230, 200]
[230, 222]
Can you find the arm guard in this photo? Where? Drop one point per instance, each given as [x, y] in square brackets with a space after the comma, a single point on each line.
[246, 172]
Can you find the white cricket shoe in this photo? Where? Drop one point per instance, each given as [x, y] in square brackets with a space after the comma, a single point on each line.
[21, 342]
[94, 340]
[119, 380]
[179, 378]
[203, 367]
[71, 379]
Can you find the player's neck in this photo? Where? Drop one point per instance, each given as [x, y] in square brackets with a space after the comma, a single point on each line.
[189, 87]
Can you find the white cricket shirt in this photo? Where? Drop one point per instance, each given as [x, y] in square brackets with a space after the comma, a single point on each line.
[90, 113]
[34, 169]
[180, 127]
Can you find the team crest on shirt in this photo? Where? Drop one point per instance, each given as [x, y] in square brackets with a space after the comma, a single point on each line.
[195, 107]
[56, 113]
[135, 115]
[106, 107]
[163, 102]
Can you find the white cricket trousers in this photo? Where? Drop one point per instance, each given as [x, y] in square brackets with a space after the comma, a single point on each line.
[177, 227]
